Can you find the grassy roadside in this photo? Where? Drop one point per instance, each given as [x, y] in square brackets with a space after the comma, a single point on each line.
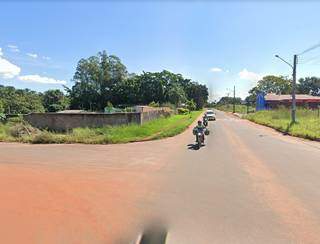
[308, 125]
[156, 129]
[241, 109]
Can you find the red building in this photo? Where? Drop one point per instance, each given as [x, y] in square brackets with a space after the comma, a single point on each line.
[303, 100]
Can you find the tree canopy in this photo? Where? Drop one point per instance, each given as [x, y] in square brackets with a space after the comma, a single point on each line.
[101, 79]
[20, 101]
[229, 100]
[54, 100]
[309, 85]
[270, 84]
[95, 79]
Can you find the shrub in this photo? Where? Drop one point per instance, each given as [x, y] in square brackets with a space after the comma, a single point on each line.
[2, 117]
[46, 137]
[191, 105]
[20, 130]
[183, 111]
[154, 104]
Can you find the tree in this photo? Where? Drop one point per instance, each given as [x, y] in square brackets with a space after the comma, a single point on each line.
[176, 94]
[198, 93]
[309, 85]
[1, 107]
[152, 88]
[20, 101]
[95, 79]
[126, 92]
[104, 78]
[272, 84]
[54, 100]
[191, 105]
[229, 100]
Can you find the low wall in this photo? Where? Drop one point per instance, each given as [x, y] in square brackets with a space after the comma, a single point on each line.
[154, 114]
[67, 121]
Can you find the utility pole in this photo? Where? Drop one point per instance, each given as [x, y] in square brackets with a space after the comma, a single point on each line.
[294, 77]
[234, 99]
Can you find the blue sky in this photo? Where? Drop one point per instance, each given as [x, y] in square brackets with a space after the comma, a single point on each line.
[220, 44]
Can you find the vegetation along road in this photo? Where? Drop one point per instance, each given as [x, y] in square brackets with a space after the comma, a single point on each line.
[248, 184]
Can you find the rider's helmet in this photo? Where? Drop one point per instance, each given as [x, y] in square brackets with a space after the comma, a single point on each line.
[199, 122]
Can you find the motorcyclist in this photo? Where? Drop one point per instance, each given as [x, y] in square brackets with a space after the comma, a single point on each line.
[199, 128]
[205, 120]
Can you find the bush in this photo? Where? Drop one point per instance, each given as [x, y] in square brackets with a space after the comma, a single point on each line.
[169, 105]
[2, 117]
[46, 137]
[183, 111]
[20, 130]
[191, 105]
[154, 104]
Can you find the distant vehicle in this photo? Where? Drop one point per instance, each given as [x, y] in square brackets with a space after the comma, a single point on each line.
[210, 114]
[205, 121]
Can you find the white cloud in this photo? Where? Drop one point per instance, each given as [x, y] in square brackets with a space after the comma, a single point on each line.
[250, 76]
[1, 53]
[8, 70]
[13, 48]
[216, 69]
[40, 79]
[46, 58]
[32, 55]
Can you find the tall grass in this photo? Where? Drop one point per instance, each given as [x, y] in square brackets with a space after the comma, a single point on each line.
[307, 126]
[155, 129]
[239, 108]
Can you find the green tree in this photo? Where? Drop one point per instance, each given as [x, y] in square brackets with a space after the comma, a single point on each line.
[152, 88]
[176, 95]
[269, 84]
[95, 79]
[198, 93]
[272, 84]
[191, 105]
[127, 91]
[309, 85]
[229, 100]
[20, 101]
[54, 100]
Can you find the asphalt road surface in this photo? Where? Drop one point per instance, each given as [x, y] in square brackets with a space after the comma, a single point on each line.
[248, 184]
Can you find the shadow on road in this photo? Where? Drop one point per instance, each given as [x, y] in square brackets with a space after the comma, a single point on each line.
[194, 146]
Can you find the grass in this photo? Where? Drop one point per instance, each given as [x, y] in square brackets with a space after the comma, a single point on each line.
[307, 126]
[155, 129]
[239, 108]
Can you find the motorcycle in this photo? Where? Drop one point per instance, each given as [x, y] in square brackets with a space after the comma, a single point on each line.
[200, 136]
[205, 121]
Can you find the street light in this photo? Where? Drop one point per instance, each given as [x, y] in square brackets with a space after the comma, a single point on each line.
[294, 71]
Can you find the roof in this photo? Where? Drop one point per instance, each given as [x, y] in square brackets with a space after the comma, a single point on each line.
[275, 97]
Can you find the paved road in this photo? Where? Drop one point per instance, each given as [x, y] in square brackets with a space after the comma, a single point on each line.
[249, 184]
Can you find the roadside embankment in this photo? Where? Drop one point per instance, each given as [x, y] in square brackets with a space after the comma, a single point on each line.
[307, 126]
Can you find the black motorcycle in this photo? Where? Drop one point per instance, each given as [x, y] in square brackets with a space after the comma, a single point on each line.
[200, 136]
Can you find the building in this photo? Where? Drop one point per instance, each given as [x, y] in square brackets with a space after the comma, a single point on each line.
[303, 100]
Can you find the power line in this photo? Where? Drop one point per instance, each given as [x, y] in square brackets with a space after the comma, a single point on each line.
[310, 49]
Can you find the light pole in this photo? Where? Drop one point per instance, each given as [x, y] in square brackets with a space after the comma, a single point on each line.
[294, 72]
[234, 99]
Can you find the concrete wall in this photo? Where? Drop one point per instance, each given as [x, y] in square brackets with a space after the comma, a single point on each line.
[67, 121]
[154, 114]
